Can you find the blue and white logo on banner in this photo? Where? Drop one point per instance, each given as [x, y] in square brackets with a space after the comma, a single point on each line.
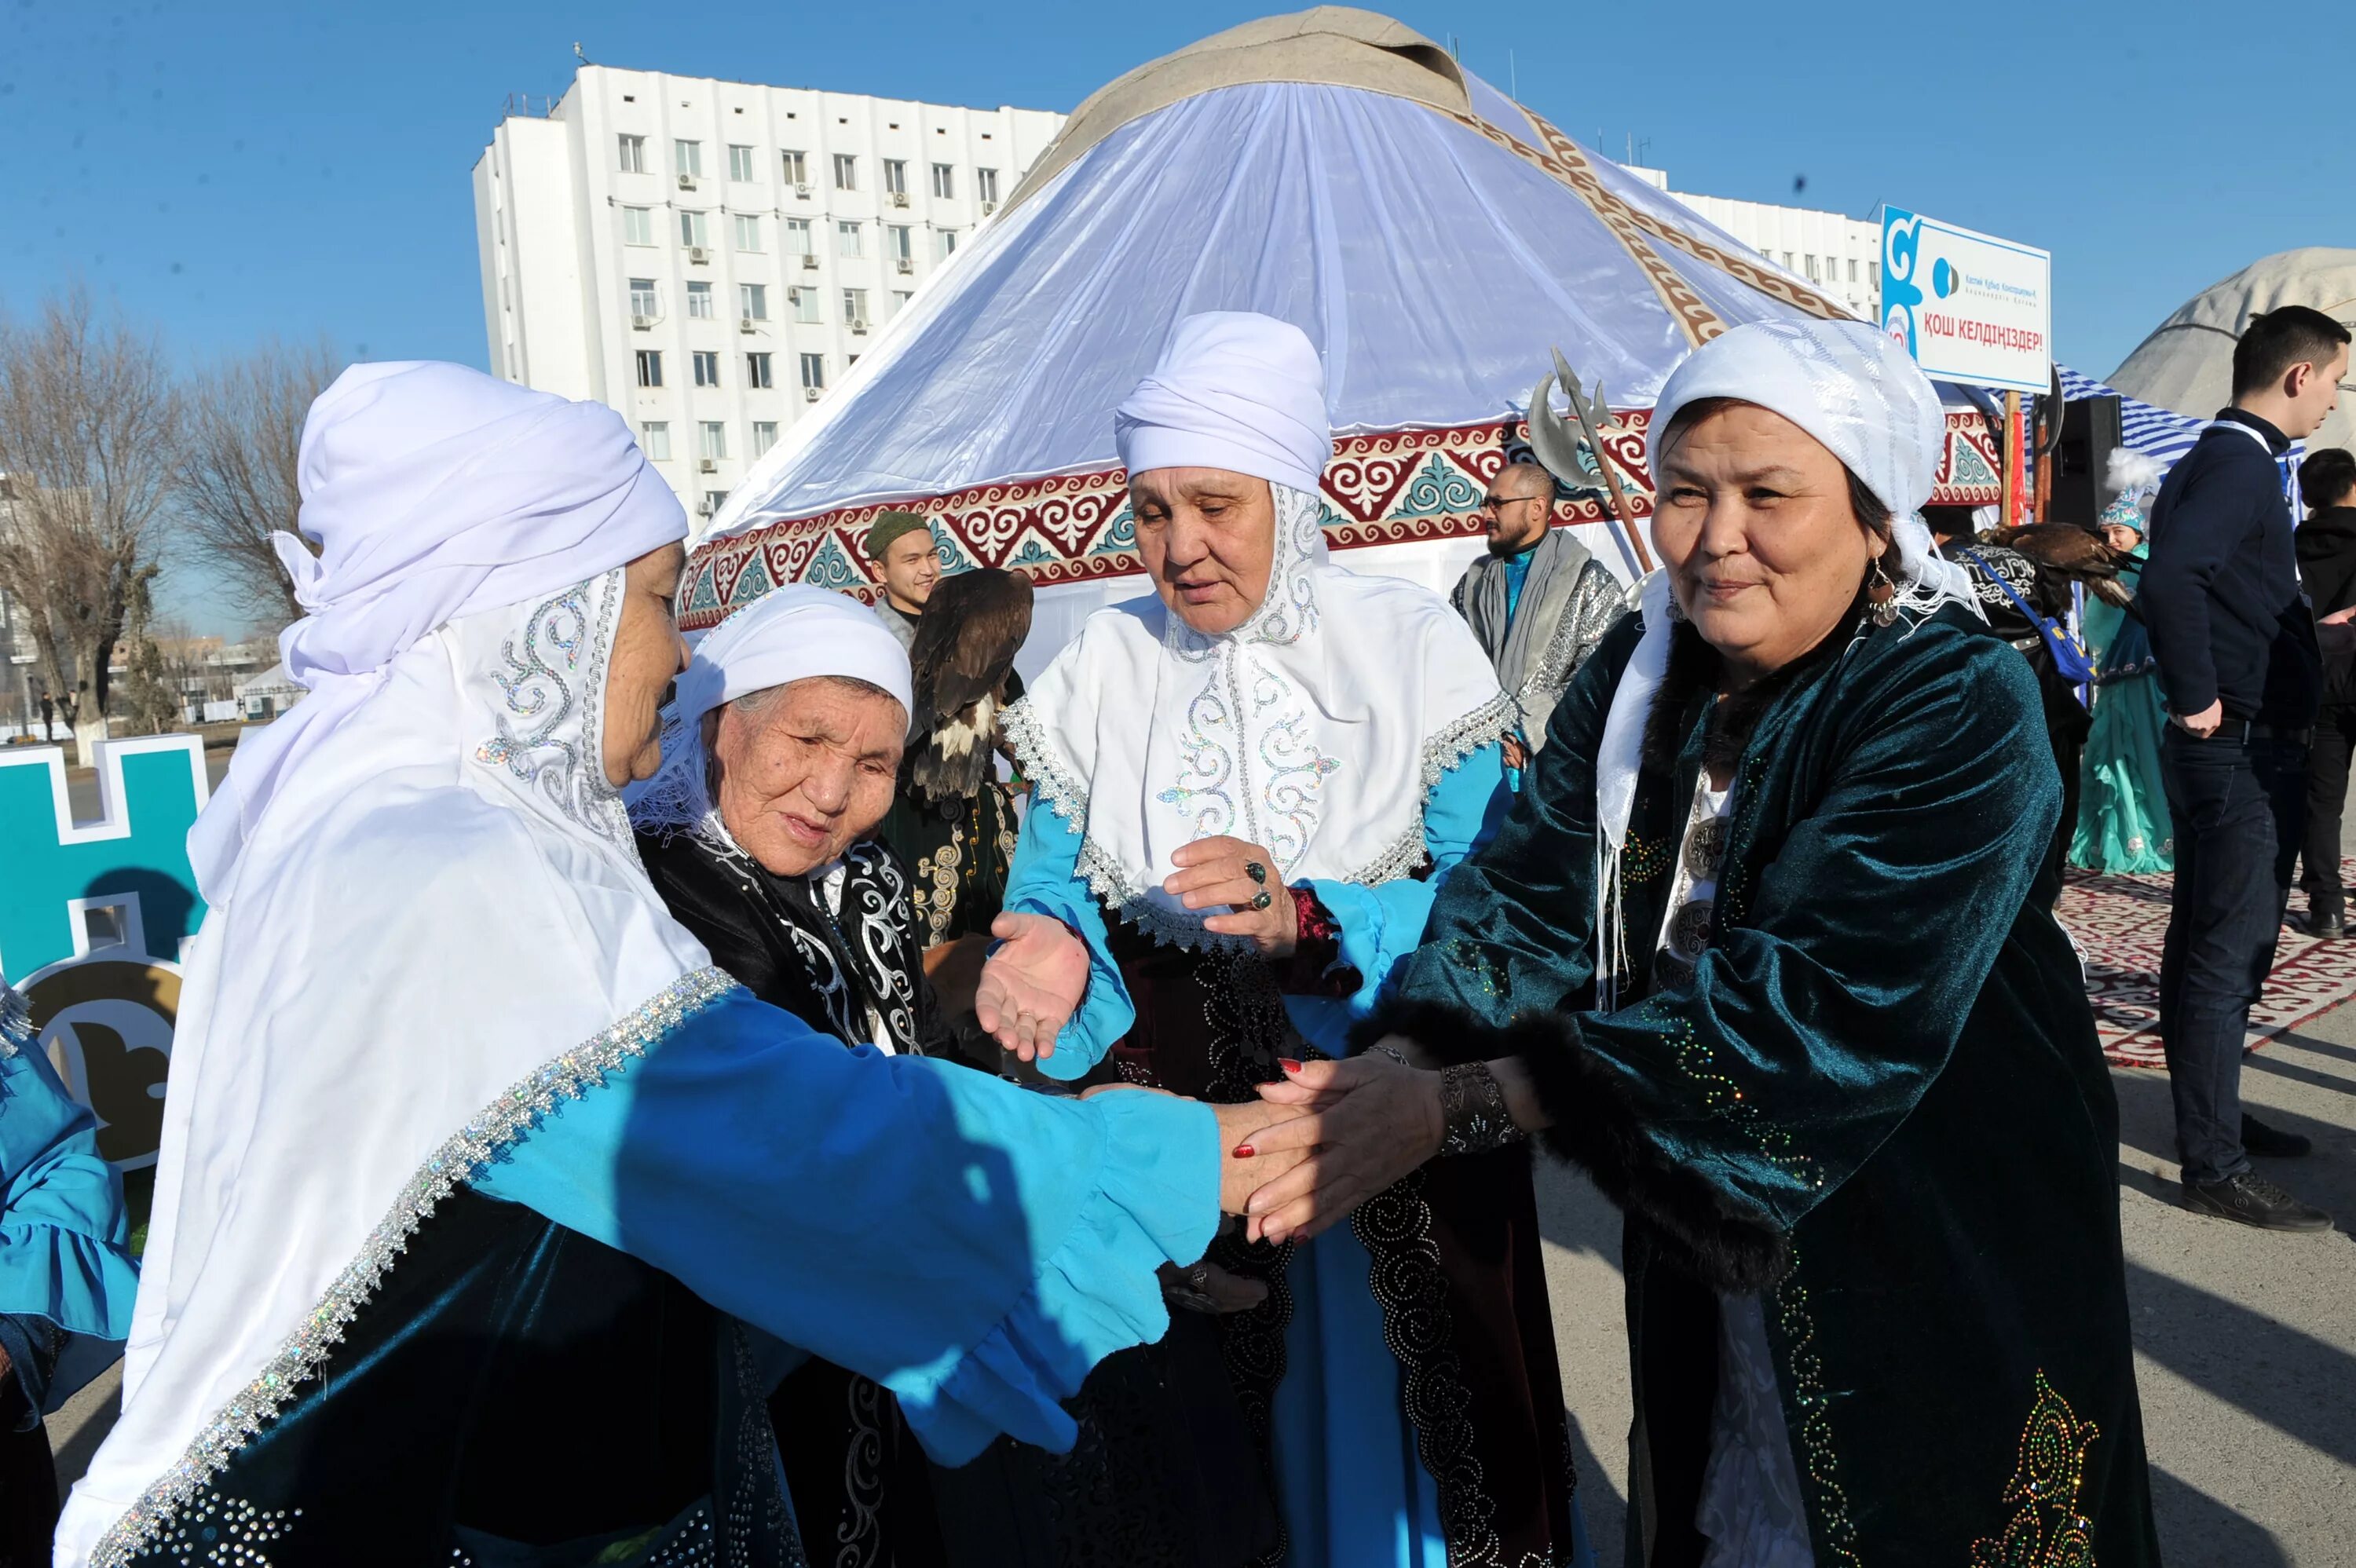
[1968, 306]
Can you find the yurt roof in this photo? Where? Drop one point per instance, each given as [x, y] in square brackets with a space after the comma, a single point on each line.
[2187, 363]
[1333, 168]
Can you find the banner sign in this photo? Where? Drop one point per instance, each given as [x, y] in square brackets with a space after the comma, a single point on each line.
[1969, 307]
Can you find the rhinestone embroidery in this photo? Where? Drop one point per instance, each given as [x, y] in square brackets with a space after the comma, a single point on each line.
[2047, 1530]
[181, 1488]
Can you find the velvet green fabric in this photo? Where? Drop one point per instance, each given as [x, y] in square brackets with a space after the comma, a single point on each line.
[1880, 1094]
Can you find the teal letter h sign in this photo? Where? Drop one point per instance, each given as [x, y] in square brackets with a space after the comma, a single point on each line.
[136, 854]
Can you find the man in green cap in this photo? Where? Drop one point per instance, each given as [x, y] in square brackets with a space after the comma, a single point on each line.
[901, 546]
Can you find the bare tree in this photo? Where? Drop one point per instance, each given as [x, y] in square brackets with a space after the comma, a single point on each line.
[239, 481]
[89, 446]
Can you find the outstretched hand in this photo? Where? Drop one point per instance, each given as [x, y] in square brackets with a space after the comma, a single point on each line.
[1033, 985]
[1370, 1120]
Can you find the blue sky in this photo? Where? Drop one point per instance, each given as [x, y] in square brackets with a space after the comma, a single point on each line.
[227, 171]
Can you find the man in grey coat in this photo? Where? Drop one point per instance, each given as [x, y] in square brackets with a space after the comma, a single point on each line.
[1539, 601]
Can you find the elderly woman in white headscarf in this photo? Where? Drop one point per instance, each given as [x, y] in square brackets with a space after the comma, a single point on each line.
[1250, 784]
[1763, 947]
[474, 1168]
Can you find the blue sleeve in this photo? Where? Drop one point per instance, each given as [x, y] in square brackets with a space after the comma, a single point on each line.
[1382, 926]
[974, 1247]
[65, 1254]
[1045, 880]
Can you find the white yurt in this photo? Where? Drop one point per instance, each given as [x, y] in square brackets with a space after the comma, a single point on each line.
[1333, 168]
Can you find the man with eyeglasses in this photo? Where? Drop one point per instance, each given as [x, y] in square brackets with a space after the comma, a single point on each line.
[1538, 602]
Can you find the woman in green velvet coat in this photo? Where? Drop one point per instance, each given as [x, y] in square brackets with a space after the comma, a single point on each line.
[1762, 947]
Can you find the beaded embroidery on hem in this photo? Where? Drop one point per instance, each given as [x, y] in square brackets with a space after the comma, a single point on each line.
[1110, 881]
[466, 1151]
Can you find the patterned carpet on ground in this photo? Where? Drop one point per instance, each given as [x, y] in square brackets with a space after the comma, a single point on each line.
[2119, 922]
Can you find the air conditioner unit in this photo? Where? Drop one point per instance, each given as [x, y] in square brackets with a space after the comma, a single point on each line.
[706, 466]
[704, 508]
[687, 182]
[810, 262]
[988, 207]
[899, 199]
[903, 265]
[745, 324]
[802, 190]
[642, 323]
[810, 394]
[698, 255]
[858, 326]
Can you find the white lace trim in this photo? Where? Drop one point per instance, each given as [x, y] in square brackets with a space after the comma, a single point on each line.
[465, 1152]
[1119, 891]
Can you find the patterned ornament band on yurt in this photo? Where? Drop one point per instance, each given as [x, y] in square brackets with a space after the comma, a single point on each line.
[1333, 169]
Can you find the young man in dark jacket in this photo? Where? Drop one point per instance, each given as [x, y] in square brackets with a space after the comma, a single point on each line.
[2238, 662]
[2326, 569]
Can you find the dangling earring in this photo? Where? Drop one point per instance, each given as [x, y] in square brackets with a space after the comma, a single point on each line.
[1677, 611]
[1883, 595]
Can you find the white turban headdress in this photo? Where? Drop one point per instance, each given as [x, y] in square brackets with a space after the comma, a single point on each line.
[789, 633]
[1234, 391]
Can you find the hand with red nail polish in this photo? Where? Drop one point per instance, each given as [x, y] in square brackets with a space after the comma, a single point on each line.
[1246, 1165]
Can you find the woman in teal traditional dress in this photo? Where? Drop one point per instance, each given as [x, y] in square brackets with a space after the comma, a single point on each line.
[2122, 823]
[1765, 945]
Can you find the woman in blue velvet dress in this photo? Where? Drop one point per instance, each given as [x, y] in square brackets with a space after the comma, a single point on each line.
[1250, 784]
[66, 1280]
[488, 1211]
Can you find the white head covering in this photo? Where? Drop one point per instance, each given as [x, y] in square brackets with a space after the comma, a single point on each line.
[433, 922]
[786, 635]
[1316, 728]
[1857, 391]
[435, 492]
[1234, 391]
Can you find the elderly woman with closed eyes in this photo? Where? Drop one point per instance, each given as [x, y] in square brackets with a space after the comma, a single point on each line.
[1762, 946]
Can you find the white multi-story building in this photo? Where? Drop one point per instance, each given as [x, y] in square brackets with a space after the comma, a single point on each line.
[1839, 254]
[708, 257]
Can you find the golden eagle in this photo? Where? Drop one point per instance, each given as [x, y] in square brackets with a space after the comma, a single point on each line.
[963, 655]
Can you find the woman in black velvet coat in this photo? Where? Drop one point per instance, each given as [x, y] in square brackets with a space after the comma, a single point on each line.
[1766, 948]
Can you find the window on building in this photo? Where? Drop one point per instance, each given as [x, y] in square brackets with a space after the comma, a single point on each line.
[1787, 261]
[711, 438]
[740, 162]
[698, 302]
[846, 172]
[855, 307]
[748, 232]
[753, 300]
[644, 300]
[649, 367]
[654, 440]
[944, 181]
[900, 298]
[691, 229]
[797, 235]
[985, 184]
[846, 240]
[637, 226]
[687, 158]
[797, 171]
[756, 371]
[1811, 259]
[634, 154]
[896, 237]
[765, 435]
[814, 372]
[1852, 269]
[707, 372]
[805, 303]
[896, 176]
[713, 501]
[947, 238]
[1873, 273]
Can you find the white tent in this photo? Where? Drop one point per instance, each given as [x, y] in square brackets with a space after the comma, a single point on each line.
[2187, 364]
[1331, 167]
[270, 693]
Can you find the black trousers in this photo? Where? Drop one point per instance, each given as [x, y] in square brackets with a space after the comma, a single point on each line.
[2239, 807]
[2327, 799]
